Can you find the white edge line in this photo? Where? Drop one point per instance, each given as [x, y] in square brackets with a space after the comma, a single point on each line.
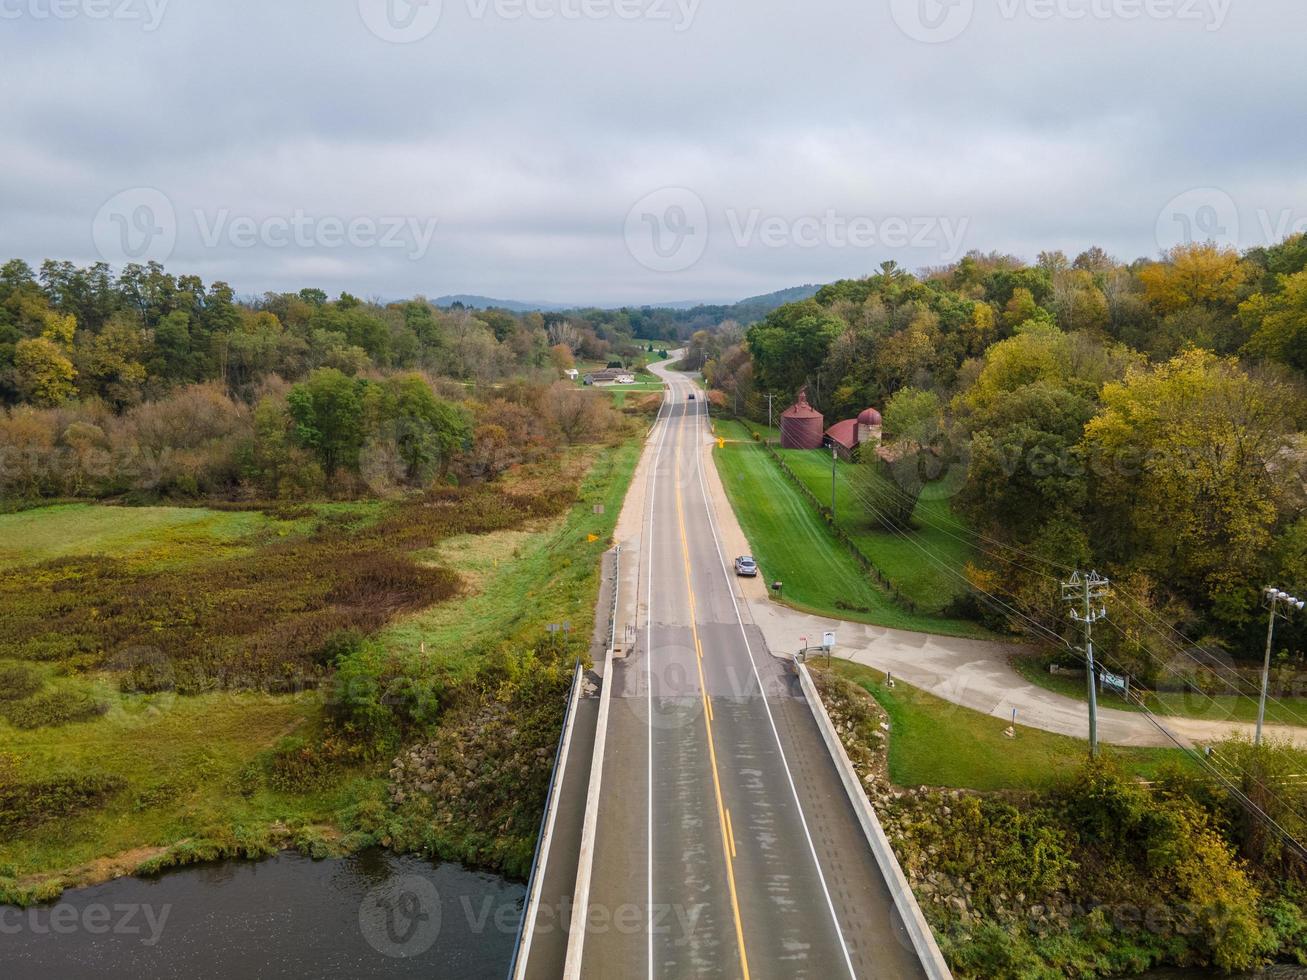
[730, 588]
[533, 905]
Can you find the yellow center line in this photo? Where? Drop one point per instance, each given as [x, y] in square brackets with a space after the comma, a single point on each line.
[728, 849]
[730, 830]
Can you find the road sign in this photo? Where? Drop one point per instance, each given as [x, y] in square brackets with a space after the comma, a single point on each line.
[1114, 682]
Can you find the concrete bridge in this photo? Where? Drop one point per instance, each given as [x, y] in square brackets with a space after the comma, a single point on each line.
[704, 820]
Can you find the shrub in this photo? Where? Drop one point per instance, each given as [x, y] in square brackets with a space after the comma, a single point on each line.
[52, 709]
[18, 681]
[24, 805]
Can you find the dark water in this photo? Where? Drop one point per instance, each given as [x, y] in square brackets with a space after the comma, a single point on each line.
[371, 915]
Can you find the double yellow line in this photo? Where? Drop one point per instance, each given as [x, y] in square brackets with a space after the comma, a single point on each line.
[723, 815]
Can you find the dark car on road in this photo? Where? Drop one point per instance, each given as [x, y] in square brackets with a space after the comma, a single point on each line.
[746, 567]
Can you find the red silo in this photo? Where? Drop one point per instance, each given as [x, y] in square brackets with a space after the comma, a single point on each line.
[802, 425]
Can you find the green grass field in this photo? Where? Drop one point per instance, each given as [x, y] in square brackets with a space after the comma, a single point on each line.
[935, 743]
[925, 564]
[794, 545]
[150, 534]
[1209, 707]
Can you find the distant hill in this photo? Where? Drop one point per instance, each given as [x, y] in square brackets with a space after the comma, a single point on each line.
[512, 305]
[754, 308]
[746, 311]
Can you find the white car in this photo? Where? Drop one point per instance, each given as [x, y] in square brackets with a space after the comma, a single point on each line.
[746, 567]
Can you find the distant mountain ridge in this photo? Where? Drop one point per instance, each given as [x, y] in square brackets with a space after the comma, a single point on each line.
[746, 310]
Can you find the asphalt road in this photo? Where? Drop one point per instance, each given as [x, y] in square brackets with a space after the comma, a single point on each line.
[725, 844]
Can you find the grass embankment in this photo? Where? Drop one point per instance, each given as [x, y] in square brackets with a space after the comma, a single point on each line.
[157, 775]
[1283, 710]
[794, 545]
[935, 743]
[518, 580]
[925, 564]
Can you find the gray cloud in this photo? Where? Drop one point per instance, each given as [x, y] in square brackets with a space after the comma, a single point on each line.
[528, 141]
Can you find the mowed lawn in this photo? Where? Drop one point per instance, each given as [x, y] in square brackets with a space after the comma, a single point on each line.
[925, 564]
[793, 544]
[935, 743]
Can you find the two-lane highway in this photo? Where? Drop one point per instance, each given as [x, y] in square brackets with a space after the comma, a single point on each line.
[725, 843]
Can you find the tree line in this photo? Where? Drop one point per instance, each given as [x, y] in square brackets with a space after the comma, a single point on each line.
[147, 382]
[1145, 418]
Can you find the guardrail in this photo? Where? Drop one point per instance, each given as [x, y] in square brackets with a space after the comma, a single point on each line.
[535, 880]
[923, 940]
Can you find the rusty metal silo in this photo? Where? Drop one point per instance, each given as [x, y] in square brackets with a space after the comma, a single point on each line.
[802, 425]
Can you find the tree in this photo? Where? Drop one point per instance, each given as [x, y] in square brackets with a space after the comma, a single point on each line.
[327, 409]
[44, 374]
[427, 431]
[915, 454]
[1277, 323]
[789, 346]
[1182, 459]
[1195, 275]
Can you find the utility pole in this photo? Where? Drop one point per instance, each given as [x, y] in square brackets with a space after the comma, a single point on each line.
[1082, 593]
[769, 398]
[1274, 597]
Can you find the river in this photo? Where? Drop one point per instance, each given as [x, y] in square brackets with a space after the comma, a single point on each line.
[374, 914]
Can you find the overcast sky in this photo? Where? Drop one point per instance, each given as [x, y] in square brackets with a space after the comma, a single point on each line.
[614, 151]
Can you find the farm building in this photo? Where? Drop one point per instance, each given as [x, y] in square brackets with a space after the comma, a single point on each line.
[801, 425]
[611, 376]
[848, 435]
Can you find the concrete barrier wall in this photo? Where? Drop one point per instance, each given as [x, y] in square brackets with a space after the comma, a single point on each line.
[923, 940]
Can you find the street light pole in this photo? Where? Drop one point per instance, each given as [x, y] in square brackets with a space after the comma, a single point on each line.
[1274, 597]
